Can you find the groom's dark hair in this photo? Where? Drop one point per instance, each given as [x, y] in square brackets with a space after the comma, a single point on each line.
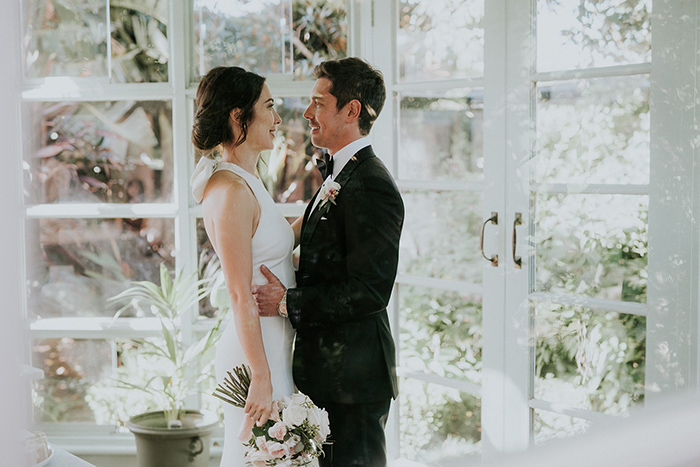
[352, 78]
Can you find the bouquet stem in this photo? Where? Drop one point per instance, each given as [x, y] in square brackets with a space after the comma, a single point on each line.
[234, 389]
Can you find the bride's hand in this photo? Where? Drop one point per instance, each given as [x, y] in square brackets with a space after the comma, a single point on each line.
[258, 404]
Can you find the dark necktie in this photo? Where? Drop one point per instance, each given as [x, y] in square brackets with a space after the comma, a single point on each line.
[325, 165]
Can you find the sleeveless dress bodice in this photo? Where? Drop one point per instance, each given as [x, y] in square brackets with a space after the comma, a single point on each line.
[272, 246]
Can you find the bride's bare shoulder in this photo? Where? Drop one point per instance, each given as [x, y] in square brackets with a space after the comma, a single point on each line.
[224, 185]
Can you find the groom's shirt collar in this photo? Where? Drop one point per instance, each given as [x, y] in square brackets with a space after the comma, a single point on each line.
[342, 157]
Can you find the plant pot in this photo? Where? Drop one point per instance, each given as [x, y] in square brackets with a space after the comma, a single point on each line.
[159, 446]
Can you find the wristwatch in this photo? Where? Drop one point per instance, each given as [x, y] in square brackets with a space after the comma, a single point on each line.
[282, 306]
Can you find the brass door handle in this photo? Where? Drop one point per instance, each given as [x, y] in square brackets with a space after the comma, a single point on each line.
[517, 259]
[494, 220]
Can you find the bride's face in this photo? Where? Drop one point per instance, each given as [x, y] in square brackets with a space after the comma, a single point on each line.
[263, 126]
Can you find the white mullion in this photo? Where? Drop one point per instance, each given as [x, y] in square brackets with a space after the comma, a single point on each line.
[589, 415]
[15, 404]
[183, 161]
[95, 328]
[441, 185]
[672, 323]
[59, 89]
[101, 210]
[377, 37]
[518, 348]
[463, 386]
[282, 86]
[108, 39]
[598, 304]
[442, 85]
[442, 284]
[495, 380]
[592, 73]
[588, 188]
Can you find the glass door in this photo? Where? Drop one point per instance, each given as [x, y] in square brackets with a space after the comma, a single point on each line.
[437, 99]
[547, 278]
[588, 184]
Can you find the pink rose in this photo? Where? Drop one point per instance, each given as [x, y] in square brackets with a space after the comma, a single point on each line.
[278, 431]
[261, 443]
[277, 450]
[259, 458]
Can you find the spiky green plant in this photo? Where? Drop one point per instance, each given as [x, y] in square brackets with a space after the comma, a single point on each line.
[168, 302]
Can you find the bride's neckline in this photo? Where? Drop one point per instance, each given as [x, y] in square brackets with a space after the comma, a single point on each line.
[228, 164]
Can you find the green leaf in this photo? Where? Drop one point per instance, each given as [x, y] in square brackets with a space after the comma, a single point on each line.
[170, 342]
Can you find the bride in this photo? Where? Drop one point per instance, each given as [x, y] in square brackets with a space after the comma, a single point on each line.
[235, 111]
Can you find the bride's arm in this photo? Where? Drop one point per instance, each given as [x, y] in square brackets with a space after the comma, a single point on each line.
[296, 226]
[231, 212]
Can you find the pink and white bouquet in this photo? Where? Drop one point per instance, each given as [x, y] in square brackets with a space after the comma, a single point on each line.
[294, 435]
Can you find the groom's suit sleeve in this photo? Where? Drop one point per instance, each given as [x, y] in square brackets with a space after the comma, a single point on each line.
[360, 270]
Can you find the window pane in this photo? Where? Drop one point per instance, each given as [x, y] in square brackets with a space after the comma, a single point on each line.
[593, 245]
[589, 359]
[106, 152]
[441, 332]
[136, 364]
[551, 425]
[578, 34]
[440, 39]
[256, 35]
[140, 47]
[71, 367]
[81, 380]
[76, 264]
[441, 235]
[593, 131]
[441, 136]
[439, 425]
[65, 38]
[319, 32]
[288, 171]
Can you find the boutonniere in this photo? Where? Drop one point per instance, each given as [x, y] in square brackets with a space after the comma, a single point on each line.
[329, 191]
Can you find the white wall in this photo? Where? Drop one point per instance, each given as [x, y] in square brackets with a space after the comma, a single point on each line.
[13, 401]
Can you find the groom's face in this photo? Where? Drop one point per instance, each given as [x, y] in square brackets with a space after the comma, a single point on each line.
[326, 121]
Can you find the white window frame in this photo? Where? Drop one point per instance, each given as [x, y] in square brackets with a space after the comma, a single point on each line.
[180, 90]
[671, 310]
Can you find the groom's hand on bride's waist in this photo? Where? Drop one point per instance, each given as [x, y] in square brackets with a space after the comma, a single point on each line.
[268, 296]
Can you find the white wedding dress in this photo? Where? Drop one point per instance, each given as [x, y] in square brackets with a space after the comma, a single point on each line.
[272, 246]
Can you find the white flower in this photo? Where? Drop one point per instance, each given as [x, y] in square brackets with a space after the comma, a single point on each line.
[319, 417]
[294, 415]
[299, 399]
[259, 458]
[329, 191]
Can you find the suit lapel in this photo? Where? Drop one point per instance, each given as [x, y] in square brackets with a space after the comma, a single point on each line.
[314, 217]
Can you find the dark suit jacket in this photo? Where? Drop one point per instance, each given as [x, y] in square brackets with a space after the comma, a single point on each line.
[344, 351]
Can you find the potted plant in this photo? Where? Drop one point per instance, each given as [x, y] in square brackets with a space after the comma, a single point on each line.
[172, 436]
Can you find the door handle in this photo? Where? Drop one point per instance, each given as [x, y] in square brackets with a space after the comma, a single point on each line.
[494, 220]
[517, 259]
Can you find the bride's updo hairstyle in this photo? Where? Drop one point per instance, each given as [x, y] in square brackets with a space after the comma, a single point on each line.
[220, 91]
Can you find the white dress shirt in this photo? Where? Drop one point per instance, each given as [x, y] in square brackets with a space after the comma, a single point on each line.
[341, 158]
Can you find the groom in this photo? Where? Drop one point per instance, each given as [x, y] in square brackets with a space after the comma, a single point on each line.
[344, 357]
